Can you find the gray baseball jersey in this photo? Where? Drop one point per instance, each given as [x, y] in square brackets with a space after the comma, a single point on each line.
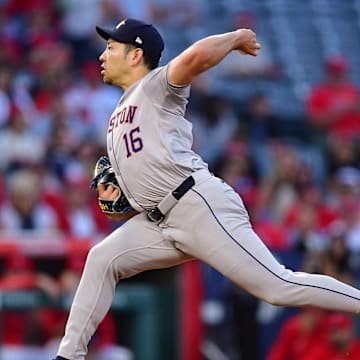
[150, 140]
[149, 144]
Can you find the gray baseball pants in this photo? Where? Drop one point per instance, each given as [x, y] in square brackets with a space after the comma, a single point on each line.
[209, 223]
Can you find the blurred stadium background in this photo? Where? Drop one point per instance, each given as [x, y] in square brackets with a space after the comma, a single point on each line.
[283, 129]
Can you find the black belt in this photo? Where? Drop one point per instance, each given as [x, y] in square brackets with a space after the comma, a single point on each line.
[157, 214]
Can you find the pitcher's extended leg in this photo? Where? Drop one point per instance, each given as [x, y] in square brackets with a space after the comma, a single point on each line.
[136, 246]
[224, 238]
[260, 273]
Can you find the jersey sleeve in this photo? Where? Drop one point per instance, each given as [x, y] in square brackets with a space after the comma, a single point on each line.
[170, 98]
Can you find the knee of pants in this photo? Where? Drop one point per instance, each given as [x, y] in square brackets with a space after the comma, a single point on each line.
[100, 261]
[278, 291]
[274, 297]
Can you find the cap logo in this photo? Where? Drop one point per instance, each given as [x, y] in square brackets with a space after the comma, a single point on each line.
[138, 40]
[121, 23]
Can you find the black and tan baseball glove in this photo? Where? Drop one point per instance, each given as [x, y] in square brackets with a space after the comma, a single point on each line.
[104, 174]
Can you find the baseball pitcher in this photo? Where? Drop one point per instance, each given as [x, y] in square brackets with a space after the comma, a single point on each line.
[175, 209]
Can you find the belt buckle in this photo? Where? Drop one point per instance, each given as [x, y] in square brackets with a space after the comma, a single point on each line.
[155, 215]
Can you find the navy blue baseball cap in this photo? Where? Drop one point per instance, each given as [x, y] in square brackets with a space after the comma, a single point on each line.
[140, 34]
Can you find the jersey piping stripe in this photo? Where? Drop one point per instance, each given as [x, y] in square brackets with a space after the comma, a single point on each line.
[259, 262]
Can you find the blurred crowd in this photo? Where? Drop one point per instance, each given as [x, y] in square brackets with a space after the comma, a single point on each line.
[302, 192]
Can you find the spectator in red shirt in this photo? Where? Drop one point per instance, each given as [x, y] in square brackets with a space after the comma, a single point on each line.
[334, 105]
[340, 344]
[299, 334]
[310, 196]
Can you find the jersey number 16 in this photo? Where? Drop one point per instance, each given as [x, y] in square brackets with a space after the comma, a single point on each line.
[133, 141]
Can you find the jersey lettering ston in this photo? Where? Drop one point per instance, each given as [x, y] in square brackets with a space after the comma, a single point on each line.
[149, 140]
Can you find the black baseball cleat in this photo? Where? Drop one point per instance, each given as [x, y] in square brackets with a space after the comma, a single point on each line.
[60, 358]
